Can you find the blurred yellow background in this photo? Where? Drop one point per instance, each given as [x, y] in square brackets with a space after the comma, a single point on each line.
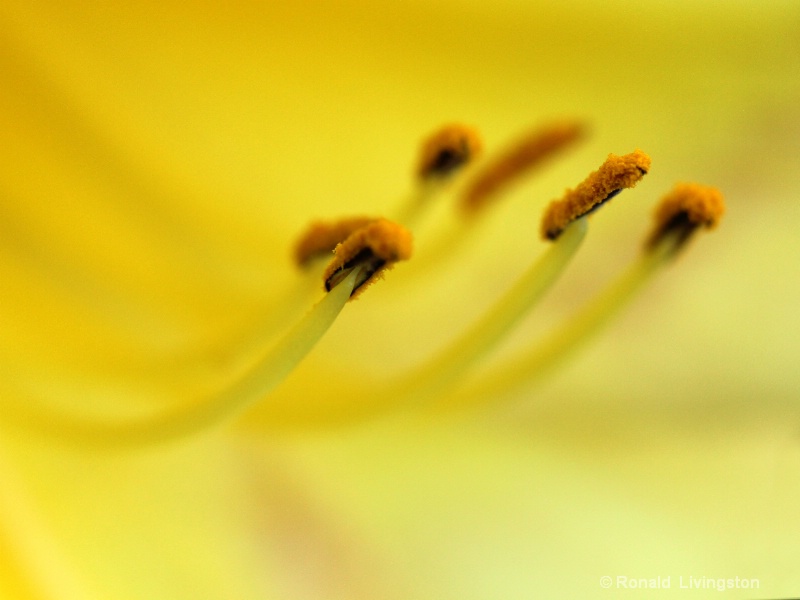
[157, 160]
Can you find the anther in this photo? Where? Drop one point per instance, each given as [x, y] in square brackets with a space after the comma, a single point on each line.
[321, 237]
[682, 211]
[373, 249]
[527, 153]
[685, 209]
[614, 175]
[447, 150]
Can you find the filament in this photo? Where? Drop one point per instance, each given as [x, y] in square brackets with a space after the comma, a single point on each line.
[483, 337]
[442, 155]
[259, 381]
[561, 343]
[419, 386]
[413, 207]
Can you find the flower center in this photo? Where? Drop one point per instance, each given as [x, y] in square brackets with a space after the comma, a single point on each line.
[362, 249]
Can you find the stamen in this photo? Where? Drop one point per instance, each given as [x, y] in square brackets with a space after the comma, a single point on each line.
[259, 381]
[322, 237]
[315, 245]
[420, 386]
[681, 212]
[614, 175]
[705, 205]
[482, 338]
[370, 250]
[365, 248]
[318, 242]
[442, 154]
[447, 150]
[527, 153]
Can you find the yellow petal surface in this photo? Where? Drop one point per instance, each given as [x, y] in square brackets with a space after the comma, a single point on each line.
[157, 162]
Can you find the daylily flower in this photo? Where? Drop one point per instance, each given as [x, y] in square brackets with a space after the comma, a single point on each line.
[159, 162]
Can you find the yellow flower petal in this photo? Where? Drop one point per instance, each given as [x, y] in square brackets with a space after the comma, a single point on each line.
[157, 162]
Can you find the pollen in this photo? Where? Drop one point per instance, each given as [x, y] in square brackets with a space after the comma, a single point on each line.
[527, 153]
[373, 248]
[683, 210]
[321, 237]
[447, 150]
[614, 175]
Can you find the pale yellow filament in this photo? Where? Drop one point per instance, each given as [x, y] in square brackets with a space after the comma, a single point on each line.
[412, 209]
[564, 341]
[451, 365]
[420, 386]
[182, 421]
